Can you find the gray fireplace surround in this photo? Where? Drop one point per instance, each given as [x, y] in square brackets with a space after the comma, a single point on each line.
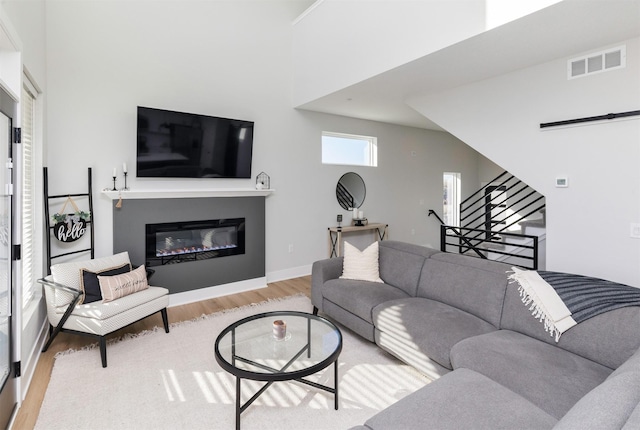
[129, 224]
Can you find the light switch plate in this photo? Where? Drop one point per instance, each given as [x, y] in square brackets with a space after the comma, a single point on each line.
[635, 230]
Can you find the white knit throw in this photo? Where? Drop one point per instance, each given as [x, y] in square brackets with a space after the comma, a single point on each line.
[543, 301]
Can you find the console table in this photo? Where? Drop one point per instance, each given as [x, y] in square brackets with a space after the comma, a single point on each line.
[335, 235]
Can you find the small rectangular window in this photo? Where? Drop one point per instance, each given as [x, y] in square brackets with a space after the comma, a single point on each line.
[349, 149]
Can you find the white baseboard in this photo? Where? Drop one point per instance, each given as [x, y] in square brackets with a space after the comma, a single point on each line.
[178, 299]
[294, 272]
[206, 293]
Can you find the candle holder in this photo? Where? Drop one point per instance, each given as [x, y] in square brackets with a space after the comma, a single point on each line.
[125, 182]
[114, 184]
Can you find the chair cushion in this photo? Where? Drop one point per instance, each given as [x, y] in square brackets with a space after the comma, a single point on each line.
[101, 310]
[103, 318]
[91, 286]
[69, 273]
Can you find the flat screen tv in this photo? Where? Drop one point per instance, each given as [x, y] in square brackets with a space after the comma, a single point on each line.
[184, 145]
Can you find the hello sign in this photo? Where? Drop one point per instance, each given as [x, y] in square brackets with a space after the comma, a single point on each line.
[70, 227]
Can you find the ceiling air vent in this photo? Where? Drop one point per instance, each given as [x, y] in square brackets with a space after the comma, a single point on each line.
[603, 61]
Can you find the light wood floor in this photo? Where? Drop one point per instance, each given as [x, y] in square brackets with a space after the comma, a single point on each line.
[28, 413]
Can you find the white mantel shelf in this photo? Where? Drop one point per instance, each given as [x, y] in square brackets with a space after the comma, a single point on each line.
[173, 194]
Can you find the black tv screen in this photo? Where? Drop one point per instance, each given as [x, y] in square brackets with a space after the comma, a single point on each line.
[184, 145]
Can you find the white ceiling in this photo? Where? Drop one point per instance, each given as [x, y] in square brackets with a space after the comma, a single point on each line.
[564, 30]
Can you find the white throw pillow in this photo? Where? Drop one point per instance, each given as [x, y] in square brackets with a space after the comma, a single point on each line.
[361, 265]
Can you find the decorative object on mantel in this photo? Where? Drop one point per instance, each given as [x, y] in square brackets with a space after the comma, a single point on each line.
[126, 172]
[263, 182]
[70, 227]
[114, 179]
[119, 204]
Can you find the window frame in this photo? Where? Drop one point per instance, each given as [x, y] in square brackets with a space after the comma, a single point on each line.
[370, 158]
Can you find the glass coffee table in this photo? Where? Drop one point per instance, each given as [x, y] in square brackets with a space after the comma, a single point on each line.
[278, 346]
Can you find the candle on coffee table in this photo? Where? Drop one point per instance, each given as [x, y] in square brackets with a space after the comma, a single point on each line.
[279, 329]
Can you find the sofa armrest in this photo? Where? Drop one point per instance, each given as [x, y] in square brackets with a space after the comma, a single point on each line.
[321, 272]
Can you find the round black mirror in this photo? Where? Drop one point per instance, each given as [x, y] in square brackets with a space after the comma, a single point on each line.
[350, 191]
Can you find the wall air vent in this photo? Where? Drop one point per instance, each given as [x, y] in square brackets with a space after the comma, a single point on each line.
[603, 61]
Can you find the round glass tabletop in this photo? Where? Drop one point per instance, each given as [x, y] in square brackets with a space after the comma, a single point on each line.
[278, 346]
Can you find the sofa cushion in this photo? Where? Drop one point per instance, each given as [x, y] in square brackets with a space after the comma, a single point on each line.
[401, 264]
[360, 297]
[612, 405]
[550, 377]
[361, 265]
[426, 328]
[474, 285]
[631, 365]
[609, 339]
[462, 399]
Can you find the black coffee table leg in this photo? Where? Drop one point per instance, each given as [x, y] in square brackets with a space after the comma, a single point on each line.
[238, 407]
[335, 384]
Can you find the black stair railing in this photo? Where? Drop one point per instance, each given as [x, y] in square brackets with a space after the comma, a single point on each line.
[493, 209]
[458, 234]
[488, 214]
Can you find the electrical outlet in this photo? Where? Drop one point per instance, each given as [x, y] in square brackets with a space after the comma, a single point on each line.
[635, 230]
[290, 248]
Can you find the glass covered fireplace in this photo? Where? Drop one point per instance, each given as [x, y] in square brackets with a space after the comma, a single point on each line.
[180, 242]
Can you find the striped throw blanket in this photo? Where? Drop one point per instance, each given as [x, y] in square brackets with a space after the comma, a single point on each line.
[562, 300]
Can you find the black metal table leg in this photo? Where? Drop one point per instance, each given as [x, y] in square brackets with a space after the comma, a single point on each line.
[335, 384]
[238, 403]
[334, 242]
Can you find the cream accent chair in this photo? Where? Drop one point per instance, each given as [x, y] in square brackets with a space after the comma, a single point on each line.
[63, 291]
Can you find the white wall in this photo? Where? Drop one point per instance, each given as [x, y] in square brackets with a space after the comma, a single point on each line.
[229, 59]
[588, 224]
[339, 43]
[28, 18]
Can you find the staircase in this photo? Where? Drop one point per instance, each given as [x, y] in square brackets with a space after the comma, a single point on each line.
[503, 221]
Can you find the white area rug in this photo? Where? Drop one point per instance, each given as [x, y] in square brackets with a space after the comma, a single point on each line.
[172, 381]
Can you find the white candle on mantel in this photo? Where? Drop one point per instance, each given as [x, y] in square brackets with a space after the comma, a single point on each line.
[114, 172]
[124, 167]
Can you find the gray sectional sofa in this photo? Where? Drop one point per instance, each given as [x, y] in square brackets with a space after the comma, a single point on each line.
[458, 320]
